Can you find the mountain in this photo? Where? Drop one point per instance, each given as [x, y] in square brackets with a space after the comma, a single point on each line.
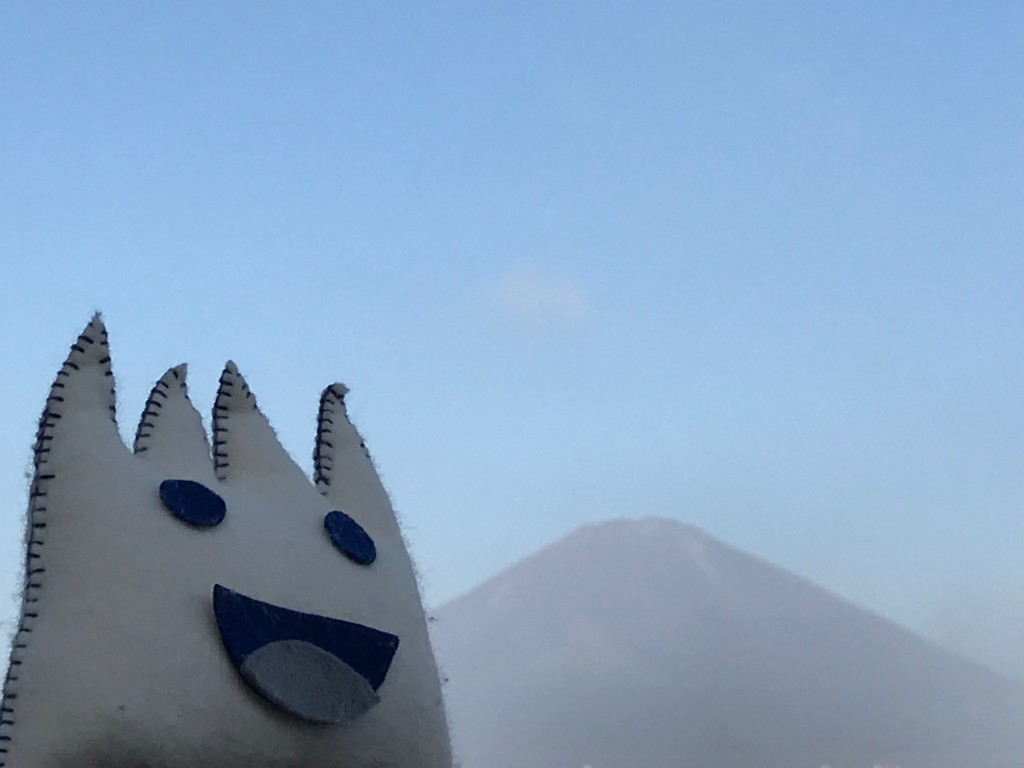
[648, 644]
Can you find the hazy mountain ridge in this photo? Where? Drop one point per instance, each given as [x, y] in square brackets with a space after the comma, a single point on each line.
[649, 643]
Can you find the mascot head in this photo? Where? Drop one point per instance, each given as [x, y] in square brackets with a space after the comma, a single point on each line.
[192, 605]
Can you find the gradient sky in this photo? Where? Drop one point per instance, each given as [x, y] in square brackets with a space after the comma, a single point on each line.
[754, 266]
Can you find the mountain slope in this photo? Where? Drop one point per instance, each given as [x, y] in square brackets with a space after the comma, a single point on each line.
[647, 643]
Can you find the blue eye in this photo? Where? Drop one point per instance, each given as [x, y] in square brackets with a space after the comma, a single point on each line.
[349, 538]
[192, 503]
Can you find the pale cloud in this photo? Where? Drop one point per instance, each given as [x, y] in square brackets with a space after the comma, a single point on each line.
[540, 299]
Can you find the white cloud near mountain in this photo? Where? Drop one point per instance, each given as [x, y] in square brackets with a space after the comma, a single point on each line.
[539, 299]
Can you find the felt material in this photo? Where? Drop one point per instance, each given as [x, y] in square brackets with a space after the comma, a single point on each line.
[192, 502]
[118, 660]
[308, 682]
[350, 538]
[246, 625]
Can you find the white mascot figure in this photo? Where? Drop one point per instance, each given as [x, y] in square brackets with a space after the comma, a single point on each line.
[187, 612]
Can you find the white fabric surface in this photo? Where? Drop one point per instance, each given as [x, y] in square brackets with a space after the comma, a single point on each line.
[118, 661]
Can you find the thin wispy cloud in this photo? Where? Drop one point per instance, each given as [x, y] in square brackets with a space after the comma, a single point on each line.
[539, 299]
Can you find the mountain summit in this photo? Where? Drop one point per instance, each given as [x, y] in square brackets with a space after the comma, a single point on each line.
[648, 643]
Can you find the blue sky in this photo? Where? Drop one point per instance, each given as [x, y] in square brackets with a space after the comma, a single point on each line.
[755, 266]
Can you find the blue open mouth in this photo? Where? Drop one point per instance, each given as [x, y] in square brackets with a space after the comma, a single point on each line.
[316, 668]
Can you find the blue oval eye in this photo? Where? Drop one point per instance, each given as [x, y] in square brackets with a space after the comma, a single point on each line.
[192, 502]
[349, 538]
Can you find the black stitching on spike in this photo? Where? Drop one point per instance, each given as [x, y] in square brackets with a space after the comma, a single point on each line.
[221, 462]
[323, 467]
[104, 360]
[150, 413]
[34, 572]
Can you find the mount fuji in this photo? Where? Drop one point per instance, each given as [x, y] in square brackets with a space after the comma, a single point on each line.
[648, 643]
